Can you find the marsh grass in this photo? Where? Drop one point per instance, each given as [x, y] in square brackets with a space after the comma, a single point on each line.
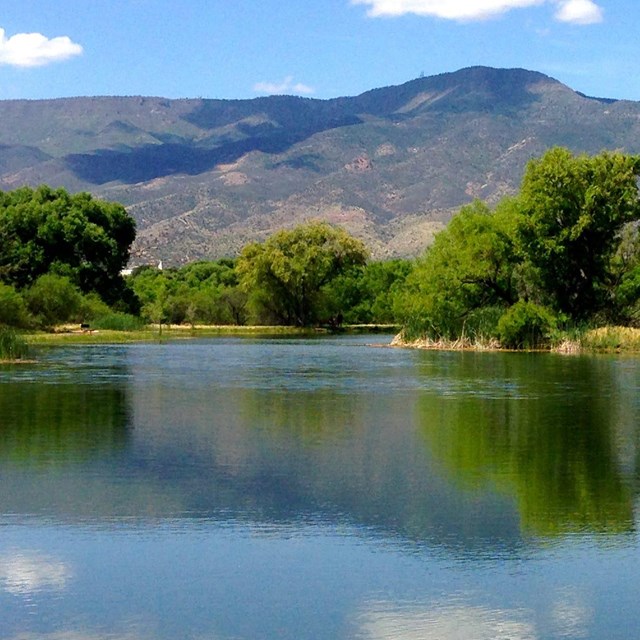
[601, 340]
[611, 339]
[13, 346]
[463, 343]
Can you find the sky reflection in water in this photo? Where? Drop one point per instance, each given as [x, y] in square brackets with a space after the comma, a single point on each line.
[317, 489]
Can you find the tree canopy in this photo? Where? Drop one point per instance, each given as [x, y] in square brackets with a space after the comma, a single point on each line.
[286, 275]
[51, 231]
[468, 267]
[572, 210]
[563, 252]
[565, 249]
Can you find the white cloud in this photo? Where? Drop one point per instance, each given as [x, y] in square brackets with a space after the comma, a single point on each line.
[576, 11]
[35, 50]
[287, 86]
[579, 12]
[447, 9]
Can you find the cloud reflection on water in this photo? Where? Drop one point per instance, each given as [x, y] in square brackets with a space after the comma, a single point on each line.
[458, 621]
[25, 573]
[570, 617]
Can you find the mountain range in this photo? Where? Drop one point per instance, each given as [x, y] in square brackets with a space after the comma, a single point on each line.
[204, 177]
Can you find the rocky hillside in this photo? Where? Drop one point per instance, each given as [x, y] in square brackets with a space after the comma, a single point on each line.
[203, 177]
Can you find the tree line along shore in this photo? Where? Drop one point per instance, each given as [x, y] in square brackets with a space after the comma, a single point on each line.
[555, 266]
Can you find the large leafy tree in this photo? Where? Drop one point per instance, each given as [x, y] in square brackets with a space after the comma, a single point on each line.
[566, 243]
[470, 266]
[286, 275]
[572, 212]
[51, 231]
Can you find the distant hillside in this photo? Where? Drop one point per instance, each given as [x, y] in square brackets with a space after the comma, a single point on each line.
[203, 177]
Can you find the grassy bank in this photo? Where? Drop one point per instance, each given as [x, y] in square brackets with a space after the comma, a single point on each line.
[149, 333]
[611, 340]
[72, 334]
[601, 340]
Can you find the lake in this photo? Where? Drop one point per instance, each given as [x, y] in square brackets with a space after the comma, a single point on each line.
[256, 488]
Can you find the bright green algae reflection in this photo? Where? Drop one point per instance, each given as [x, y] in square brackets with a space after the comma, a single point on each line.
[317, 488]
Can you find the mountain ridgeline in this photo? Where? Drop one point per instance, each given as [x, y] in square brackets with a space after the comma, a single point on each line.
[392, 165]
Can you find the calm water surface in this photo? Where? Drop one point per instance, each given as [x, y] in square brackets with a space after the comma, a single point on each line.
[297, 488]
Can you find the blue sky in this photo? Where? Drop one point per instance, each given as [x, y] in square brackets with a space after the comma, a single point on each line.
[317, 48]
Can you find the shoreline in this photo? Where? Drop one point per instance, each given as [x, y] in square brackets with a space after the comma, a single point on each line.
[73, 334]
[611, 340]
[614, 340]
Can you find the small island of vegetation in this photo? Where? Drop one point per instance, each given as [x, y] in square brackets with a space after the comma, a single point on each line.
[556, 266]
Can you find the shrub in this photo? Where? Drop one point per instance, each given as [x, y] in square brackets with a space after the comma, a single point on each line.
[13, 310]
[117, 321]
[92, 306]
[54, 299]
[526, 325]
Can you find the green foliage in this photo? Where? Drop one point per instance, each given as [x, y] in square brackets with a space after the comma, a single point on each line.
[285, 277]
[12, 345]
[572, 210]
[526, 325]
[53, 299]
[624, 292]
[92, 306]
[201, 292]
[13, 310]
[209, 293]
[75, 236]
[118, 321]
[365, 295]
[565, 243]
[470, 266]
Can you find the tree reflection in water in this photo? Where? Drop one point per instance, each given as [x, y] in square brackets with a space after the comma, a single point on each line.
[540, 430]
[55, 424]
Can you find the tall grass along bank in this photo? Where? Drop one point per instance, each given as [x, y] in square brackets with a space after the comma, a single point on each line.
[12, 345]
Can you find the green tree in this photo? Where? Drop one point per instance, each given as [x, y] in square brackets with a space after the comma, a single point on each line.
[50, 231]
[201, 292]
[572, 210]
[285, 276]
[367, 294]
[470, 266]
[625, 275]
